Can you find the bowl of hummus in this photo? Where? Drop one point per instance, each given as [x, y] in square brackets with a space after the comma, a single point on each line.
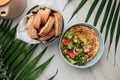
[81, 45]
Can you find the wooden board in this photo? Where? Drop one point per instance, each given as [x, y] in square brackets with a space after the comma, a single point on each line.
[4, 2]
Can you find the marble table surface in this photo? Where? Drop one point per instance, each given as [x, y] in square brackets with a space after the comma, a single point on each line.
[102, 70]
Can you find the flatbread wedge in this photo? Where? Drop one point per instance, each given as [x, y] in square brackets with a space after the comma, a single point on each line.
[32, 32]
[37, 20]
[45, 15]
[58, 23]
[45, 30]
[48, 36]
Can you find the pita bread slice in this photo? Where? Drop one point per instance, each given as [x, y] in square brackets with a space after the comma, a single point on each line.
[32, 32]
[48, 36]
[58, 23]
[45, 30]
[37, 20]
[45, 16]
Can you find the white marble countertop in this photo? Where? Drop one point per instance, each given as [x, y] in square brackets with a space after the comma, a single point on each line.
[103, 70]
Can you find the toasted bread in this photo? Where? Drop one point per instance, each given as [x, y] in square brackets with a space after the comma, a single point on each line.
[58, 23]
[37, 20]
[45, 16]
[32, 32]
[45, 30]
[50, 35]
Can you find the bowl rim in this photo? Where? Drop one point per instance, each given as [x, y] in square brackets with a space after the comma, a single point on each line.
[99, 53]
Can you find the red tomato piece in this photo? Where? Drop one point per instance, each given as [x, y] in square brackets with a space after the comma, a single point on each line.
[66, 42]
[69, 53]
[86, 50]
[76, 51]
[72, 55]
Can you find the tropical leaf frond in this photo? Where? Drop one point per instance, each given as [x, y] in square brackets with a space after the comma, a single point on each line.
[53, 75]
[66, 4]
[22, 64]
[106, 15]
[15, 54]
[38, 70]
[91, 10]
[81, 4]
[110, 19]
[117, 35]
[113, 26]
[28, 68]
[99, 11]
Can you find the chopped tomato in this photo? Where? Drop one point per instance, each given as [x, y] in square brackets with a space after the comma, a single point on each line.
[76, 51]
[86, 50]
[69, 52]
[72, 55]
[66, 42]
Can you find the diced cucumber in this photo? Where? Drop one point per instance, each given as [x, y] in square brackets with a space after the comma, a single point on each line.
[65, 51]
[68, 35]
[75, 39]
[81, 55]
[80, 50]
[70, 45]
[71, 60]
[80, 61]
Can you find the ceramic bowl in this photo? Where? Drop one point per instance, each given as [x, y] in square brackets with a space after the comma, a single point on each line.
[99, 53]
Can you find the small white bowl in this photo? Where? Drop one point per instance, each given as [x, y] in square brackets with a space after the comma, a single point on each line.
[100, 51]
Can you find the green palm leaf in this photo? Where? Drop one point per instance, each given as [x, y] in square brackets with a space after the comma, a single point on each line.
[113, 28]
[9, 59]
[28, 68]
[2, 22]
[21, 65]
[53, 76]
[8, 46]
[2, 76]
[2, 70]
[2, 25]
[20, 58]
[15, 54]
[106, 15]
[66, 4]
[9, 24]
[15, 45]
[99, 12]
[5, 24]
[114, 25]
[117, 39]
[91, 10]
[7, 38]
[78, 8]
[117, 35]
[33, 75]
[109, 20]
